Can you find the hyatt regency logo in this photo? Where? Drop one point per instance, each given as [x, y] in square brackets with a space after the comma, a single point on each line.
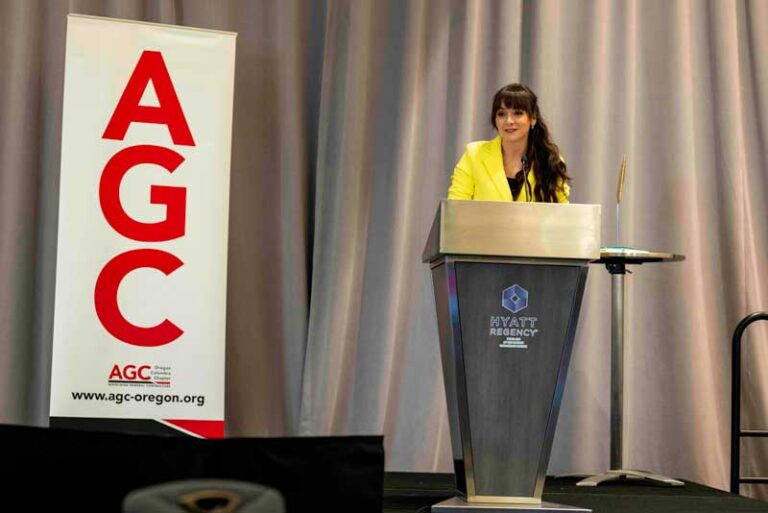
[514, 298]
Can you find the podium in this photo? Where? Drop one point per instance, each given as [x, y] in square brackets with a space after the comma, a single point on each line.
[508, 280]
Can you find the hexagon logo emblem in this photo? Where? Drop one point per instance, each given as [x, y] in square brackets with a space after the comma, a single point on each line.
[514, 298]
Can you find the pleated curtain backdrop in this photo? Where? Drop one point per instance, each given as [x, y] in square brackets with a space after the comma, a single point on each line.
[349, 117]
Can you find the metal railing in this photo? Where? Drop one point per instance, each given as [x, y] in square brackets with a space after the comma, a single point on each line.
[736, 432]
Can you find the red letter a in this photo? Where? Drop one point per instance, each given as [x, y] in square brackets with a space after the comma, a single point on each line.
[150, 67]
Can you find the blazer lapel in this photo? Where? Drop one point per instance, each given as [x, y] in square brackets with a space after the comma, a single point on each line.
[494, 166]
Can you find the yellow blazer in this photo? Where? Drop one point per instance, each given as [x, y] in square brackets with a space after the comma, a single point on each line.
[479, 175]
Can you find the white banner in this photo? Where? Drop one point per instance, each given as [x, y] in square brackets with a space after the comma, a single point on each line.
[139, 325]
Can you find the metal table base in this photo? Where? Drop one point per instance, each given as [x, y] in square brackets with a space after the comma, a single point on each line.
[460, 505]
[617, 475]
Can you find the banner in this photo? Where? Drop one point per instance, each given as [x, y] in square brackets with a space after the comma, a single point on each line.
[140, 313]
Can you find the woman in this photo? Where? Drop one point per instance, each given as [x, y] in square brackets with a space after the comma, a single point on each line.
[520, 164]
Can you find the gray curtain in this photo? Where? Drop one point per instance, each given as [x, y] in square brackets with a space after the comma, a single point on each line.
[349, 117]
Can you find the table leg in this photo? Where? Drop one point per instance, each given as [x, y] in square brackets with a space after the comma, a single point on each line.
[617, 369]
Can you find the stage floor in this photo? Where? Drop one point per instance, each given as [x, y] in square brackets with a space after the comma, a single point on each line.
[412, 492]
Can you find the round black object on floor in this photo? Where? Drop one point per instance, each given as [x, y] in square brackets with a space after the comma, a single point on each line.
[204, 496]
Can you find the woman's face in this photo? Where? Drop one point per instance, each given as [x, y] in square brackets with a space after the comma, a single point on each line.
[514, 124]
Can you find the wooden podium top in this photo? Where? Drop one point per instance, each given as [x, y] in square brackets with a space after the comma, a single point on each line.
[527, 230]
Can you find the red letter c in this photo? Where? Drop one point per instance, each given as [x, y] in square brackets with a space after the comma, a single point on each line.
[105, 297]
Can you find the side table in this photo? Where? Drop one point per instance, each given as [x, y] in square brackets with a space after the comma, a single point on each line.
[616, 260]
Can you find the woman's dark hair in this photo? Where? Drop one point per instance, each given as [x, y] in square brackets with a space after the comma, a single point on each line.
[548, 167]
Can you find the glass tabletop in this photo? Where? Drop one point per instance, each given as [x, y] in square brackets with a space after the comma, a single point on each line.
[627, 255]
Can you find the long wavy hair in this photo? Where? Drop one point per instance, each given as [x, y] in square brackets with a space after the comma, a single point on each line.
[542, 153]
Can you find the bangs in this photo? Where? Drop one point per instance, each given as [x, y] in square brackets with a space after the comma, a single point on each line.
[515, 100]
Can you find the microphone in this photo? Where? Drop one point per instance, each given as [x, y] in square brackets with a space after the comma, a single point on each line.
[528, 192]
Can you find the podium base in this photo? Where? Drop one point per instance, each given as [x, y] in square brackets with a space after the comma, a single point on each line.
[460, 505]
[630, 475]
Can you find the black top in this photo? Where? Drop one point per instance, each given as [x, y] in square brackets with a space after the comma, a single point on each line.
[515, 184]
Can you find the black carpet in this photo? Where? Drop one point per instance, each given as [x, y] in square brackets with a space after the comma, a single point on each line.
[63, 470]
[410, 492]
